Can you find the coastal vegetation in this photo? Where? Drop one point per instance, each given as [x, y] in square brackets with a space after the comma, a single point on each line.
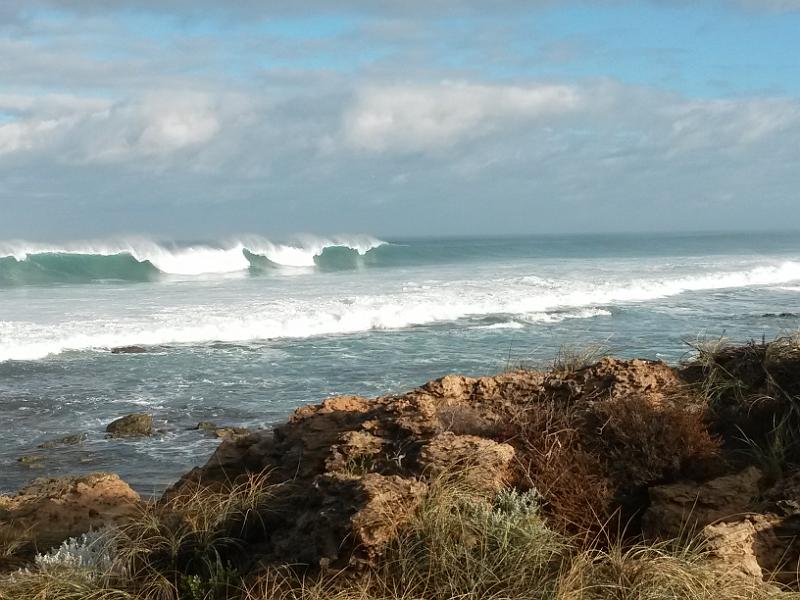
[600, 479]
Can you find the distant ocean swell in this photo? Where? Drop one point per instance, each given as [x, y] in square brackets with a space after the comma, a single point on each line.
[23, 263]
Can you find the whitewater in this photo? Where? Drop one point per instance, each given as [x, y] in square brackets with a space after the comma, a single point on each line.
[246, 328]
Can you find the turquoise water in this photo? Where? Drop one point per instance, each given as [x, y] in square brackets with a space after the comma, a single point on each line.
[242, 331]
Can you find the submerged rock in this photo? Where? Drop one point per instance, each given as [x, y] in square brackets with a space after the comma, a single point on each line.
[129, 350]
[136, 424]
[31, 459]
[68, 440]
[228, 433]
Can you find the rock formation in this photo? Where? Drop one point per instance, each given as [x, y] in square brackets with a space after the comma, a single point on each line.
[47, 511]
[631, 445]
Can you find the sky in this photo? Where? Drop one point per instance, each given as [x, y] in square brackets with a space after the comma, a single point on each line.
[194, 119]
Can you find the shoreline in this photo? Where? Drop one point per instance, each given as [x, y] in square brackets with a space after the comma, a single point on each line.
[596, 444]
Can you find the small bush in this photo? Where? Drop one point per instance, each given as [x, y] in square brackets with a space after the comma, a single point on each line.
[553, 459]
[460, 545]
[643, 443]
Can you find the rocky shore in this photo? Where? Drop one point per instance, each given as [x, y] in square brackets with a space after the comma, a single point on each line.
[618, 458]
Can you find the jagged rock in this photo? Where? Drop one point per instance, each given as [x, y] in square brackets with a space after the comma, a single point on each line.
[686, 506]
[755, 546]
[612, 378]
[484, 464]
[136, 424]
[67, 440]
[47, 511]
[335, 456]
[389, 503]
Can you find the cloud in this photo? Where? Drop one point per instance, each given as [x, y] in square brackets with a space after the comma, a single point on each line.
[384, 121]
[93, 130]
[424, 117]
[732, 125]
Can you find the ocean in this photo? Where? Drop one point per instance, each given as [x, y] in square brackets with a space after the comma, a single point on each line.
[243, 331]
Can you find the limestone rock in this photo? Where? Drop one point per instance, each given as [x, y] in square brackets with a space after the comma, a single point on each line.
[389, 503]
[755, 546]
[483, 463]
[48, 511]
[685, 506]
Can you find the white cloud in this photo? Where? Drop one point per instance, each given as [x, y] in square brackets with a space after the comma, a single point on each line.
[92, 130]
[423, 117]
[731, 125]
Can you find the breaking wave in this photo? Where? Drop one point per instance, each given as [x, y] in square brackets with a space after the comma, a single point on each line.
[494, 303]
[25, 263]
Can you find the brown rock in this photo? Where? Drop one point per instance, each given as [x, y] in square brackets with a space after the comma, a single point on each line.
[350, 465]
[136, 424]
[47, 511]
[230, 433]
[755, 546]
[683, 507]
[484, 464]
[389, 503]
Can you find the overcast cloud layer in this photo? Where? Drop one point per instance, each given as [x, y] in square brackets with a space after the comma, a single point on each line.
[181, 119]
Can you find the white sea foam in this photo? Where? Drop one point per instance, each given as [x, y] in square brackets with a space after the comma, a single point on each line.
[199, 259]
[309, 310]
[502, 325]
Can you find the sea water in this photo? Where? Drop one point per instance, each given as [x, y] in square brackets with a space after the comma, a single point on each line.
[243, 331]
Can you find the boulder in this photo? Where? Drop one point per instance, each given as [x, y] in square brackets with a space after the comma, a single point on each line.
[48, 511]
[687, 506]
[136, 424]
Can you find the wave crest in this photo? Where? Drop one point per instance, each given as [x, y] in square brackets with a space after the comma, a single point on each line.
[26, 262]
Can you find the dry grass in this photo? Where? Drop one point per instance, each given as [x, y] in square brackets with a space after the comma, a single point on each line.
[461, 544]
[655, 572]
[571, 358]
[753, 392]
[195, 545]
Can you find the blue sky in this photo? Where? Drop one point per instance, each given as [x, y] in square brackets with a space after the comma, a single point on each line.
[185, 119]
